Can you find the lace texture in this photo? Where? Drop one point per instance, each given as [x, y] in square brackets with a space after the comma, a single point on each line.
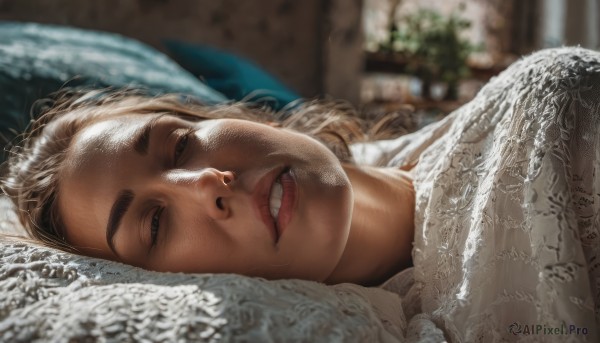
[507, 211]
[51, 296]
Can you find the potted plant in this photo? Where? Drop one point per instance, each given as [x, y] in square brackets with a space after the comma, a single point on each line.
[433, 47]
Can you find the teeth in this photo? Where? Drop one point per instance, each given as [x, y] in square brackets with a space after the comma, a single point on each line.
[275, 199]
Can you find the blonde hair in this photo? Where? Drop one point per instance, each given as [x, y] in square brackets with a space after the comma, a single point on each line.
[32, 171]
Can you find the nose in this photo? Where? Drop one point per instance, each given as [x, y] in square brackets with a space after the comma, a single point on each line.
[209, 188]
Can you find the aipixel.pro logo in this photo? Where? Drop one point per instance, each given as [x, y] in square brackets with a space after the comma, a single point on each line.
[539, 329]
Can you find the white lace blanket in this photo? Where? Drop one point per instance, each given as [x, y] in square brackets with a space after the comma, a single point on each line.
[507, 241]
[50, 296]
[506, 237]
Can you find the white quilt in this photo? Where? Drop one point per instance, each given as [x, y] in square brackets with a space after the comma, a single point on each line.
[507, 240]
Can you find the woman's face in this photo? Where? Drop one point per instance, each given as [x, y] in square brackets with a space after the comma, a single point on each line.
[181, 196]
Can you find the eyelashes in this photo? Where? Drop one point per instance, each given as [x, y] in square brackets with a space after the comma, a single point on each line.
[180, 148]
[155, 225]
[181, 144]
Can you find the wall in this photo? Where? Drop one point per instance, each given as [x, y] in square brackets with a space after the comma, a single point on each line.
[573, 22]
[291, 39]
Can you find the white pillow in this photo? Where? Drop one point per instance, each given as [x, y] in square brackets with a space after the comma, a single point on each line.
[50, 295]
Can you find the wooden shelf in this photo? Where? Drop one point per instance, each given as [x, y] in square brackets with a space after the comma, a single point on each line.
[385, 62]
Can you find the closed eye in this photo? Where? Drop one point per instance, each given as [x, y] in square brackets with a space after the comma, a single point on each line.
[155, 226]
[181, 145]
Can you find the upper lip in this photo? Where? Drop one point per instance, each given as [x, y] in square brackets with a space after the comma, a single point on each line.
[261, 195]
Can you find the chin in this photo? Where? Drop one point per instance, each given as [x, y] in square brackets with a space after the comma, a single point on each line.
[331, 251]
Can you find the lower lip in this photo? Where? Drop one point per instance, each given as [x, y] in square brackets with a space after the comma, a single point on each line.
[288, 201]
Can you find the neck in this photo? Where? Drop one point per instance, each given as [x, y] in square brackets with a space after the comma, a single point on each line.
[382, 229]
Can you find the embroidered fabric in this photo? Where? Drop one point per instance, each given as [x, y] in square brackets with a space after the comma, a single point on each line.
[508, 206]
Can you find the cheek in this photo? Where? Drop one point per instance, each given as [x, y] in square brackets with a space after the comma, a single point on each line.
[324, 230]
[309, 146]
[230, 146]
[335, 217]
[193, 246]
[329, 199]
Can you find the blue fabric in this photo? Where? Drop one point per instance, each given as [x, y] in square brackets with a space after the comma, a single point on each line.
[36, 60]
[231, 75]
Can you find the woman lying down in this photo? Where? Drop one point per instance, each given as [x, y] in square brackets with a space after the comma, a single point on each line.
[500, 216]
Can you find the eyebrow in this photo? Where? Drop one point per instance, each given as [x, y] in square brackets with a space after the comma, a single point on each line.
[117, 211]
[141, 142]
[141, 139]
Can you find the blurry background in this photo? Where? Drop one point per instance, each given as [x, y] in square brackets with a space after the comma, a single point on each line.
[381, 55]
[313, 46]
[436, 54]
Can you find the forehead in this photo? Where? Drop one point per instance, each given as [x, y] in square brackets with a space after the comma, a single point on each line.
[102, 139]
[82, 205]
[97, 156]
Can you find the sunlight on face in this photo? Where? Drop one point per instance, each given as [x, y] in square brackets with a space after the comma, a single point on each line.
[185, 196]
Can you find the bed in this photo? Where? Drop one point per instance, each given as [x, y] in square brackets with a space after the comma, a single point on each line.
[49, 295]
[461, 287]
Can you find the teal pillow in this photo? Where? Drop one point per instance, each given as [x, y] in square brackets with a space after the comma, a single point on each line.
[36, 60]
[231, 75]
